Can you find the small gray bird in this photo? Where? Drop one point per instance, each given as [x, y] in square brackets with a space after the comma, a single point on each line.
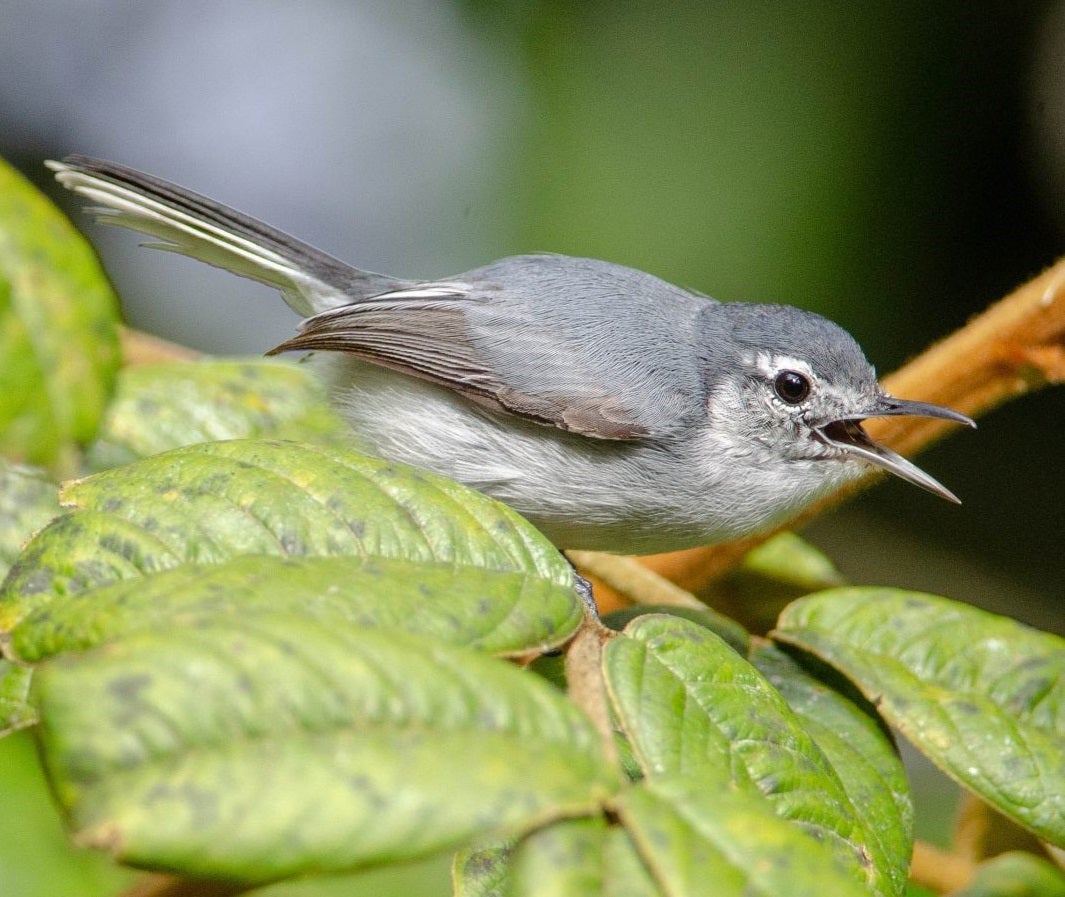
[612, 409]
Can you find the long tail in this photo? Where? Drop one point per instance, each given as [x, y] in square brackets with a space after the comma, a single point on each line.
[310, 280]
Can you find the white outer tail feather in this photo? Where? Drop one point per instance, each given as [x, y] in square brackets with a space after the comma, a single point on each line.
[190, 235]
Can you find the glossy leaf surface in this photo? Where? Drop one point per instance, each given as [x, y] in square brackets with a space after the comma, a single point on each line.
[692, 707]
[210, 503]
[503, 613]
[278, 745]
[981, 695]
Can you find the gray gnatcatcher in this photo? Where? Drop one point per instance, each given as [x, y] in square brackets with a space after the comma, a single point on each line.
[613, 410]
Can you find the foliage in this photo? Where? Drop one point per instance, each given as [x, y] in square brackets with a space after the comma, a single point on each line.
[58, 330]
[247, 658]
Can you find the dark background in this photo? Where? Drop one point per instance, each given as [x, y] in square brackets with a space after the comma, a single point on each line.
[894, 166]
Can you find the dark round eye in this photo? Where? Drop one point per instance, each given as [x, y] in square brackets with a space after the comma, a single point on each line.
[792, 386]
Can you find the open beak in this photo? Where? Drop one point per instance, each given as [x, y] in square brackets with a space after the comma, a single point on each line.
[847, 433]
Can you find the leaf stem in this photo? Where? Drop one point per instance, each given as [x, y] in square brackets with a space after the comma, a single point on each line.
[584, 678]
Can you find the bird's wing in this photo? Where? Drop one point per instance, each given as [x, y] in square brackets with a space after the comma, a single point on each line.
[503, 336]
[448, 333]
[194, 225]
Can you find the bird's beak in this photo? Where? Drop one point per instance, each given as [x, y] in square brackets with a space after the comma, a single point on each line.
[847, 433]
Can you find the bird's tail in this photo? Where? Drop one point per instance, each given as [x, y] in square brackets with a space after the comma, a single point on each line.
[186, 222]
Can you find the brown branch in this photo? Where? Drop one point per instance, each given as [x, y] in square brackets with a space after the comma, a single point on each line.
[1015, 347]
[585, 684]
[625, 577]
[939, 870]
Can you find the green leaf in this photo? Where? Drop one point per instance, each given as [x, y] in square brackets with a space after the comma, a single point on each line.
[860, 750]
[27, 502]
[481, 872]
[981, 695]
[772, 575]
[208, 503]
[718, 842]
[273, 746]
[691, 706]
[1015, 874]
[15, 711]
[58, 329]
[506, 613]
[790, 560]
[580, 858]
[164, 406]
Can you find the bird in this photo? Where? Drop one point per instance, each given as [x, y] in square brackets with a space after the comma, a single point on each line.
[615, 411]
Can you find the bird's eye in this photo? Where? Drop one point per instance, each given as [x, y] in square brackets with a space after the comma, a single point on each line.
[792, 386]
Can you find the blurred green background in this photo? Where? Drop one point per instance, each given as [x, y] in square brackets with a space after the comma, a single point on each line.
[894, 166]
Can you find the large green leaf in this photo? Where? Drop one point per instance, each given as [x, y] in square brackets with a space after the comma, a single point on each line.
[28, 500]
[691, 706]
[507, 613]
[208, 503]
[718, 842]
[272, 746]
[979, 694]
[163, 406]
[58, 329]
[861, 751]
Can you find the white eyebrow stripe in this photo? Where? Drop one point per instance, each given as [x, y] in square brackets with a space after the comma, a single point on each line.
[771, 365]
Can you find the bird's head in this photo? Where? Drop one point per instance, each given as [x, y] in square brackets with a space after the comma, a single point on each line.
[795, 393]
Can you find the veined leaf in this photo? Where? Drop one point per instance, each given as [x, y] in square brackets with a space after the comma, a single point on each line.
[791, 561]
[720, 842]
[691, 706]
[209, 503]
[861, 751]
[771, 576]
[506, 613]
[981, 695]
[164, 406]
[273, 746]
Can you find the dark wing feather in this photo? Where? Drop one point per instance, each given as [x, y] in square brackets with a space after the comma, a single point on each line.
[429, 332]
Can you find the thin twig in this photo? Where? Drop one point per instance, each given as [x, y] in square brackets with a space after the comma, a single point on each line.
[584, 680]
[629, 578]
